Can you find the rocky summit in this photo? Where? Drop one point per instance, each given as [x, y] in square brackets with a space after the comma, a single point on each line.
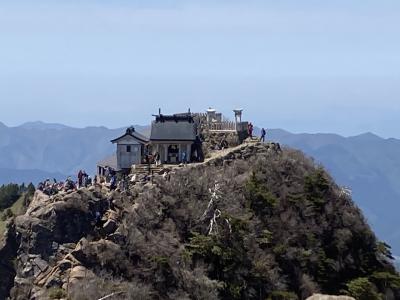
[251, 222]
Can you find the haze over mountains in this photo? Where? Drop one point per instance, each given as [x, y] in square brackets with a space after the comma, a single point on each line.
[37, 150]
[366, 163]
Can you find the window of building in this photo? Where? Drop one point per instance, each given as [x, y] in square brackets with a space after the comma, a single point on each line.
[128, 148]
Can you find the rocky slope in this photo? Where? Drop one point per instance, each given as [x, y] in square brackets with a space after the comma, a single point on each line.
[255, 222]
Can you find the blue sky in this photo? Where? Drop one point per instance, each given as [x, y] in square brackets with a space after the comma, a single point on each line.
[305, 66]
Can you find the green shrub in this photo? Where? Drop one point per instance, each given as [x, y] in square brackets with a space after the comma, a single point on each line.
[261, 200]
[316, 187]
[362, 288]
[265, 237]
[386, 280]
[279, 249]
[160, 261]
[30, 189]
[235, 290]
[7, 214]
[200, 245]
[282, 295]
[384, 249]
[9, 194]
[57, 293]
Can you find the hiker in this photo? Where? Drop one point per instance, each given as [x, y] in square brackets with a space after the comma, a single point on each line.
[223, 144]
[80, 178]
[250, 130]
[125, 183]
[97, 219]
[85, 179]
[134, 178]
[88, 181]
[262, 138]
[157, 158]
[69, 184]
[47, 183]
[113, 183]
[40, 186]
[107, 173]
[122, 185]
[59, 186]
[166, 175]
[184, 160]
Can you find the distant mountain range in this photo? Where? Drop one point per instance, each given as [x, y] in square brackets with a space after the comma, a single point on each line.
[368, 164]
[35, 176]
[38, 148]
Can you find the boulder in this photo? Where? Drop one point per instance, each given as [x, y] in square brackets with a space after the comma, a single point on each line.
[48, 224]
[78, 273]
[54, 275]
[102, 252]
[39, 266]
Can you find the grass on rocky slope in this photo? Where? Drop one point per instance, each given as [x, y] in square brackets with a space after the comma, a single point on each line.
[17, 208]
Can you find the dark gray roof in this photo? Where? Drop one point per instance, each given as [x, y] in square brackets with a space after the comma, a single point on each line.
[171, 130]
[110, 161]
[136, 135]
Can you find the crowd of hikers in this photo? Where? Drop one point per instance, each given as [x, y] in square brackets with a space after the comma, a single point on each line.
[52, 187]
[110, 180]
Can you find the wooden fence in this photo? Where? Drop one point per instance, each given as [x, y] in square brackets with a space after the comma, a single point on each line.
[222, 126]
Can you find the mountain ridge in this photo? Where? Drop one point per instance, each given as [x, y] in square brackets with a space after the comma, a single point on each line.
[367, 164]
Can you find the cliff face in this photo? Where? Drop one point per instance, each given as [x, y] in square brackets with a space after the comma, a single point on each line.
[8, 252]
[253, 222]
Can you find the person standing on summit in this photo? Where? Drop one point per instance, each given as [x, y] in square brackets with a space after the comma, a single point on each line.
[184, 159]
[250, 130]
[80, 178]
[157, 159]
[262, 138]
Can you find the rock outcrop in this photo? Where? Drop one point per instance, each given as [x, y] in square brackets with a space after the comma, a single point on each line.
[53, 231]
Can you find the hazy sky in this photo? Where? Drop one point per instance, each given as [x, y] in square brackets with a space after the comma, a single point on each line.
[305, 66]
